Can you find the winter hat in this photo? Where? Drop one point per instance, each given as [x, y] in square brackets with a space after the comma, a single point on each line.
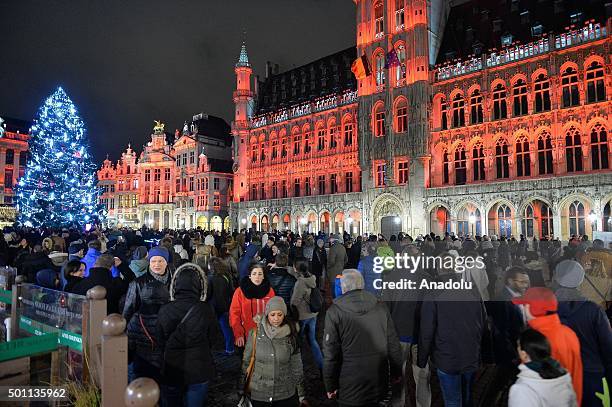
[276, 304]
[541, 300]
[159, 251]
[569, 274]
[74, 248]
[209, 240]
[140, 253]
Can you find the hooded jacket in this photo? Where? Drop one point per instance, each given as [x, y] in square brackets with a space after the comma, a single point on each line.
[282, 282]
[336, 260]
[90, 259]
[248, 301]
[115, 287]
[245, 260]
[531, 390]
[301, 296]
[186, 345]
[360, 347]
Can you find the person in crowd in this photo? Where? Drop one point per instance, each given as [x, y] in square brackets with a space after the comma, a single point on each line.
[140, 262]
[48, 278]
[476, 272]
[296, 251]
[225, 255]
[222, 287]
[249, 300]
[542, 381]
[597, 285]
[590, 324]
[267, 253]
[537, 269]
[355, 322]
[94, 251]
[541, 310]
[175, 259]
[366, 267]
[250, 254]
[309, 247]
[185, 331]
[351, 255]
[34, 262]
[233, 248]
[145, 296]
[73, 271]
[336, 260]
[272, 354]
[300, 299]
[319, 263]
[58, 258]
[180, 250]
[209, 240]
[280, 280]
[202, 256]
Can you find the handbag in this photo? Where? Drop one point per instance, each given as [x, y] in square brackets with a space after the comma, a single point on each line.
[245, 400]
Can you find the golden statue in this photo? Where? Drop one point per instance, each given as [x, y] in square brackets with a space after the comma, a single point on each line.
[159, 127]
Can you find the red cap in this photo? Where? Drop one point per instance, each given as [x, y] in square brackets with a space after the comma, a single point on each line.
[541, 301]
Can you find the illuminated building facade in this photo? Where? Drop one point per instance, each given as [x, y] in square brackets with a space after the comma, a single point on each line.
[14, 135]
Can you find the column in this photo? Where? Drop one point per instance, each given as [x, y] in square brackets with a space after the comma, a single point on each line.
[557, 224]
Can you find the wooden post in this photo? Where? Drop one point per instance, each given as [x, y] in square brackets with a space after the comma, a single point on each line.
[93, 333]
[16, 293]
[114, 360]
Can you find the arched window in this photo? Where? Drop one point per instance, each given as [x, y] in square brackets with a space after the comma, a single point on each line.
[576, 218]
[445, 165]
[399, 14]
[444, 114]
[607, 218]
[262, 151]
[379, 18]
[254, 152]
[458, 111]
[541, 89]
[501, 159]
[379, 120]
[519, 97]
[297, 142]
[400, 70]
[547, 220]
[504, 220]
[348, 133]
[599, 148]
[596, 89]
[569, 85]
[274, 152]
[379, 66]
[401, 116]
[463, 222]
[478, 162]
[528, 220]
[332, 129]
[284, 146]
[307, 141]
[573, 150]
[320, 138]
[476, 115]
[460, 166]
[545, 154]
[523, 161]
[500, 109]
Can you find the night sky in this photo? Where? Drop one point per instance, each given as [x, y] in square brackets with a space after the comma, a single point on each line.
[127, 63]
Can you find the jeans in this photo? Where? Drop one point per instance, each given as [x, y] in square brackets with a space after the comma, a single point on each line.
[227, 332]
[456, 388]
[421, 379]
[192, 395]
[311, 324]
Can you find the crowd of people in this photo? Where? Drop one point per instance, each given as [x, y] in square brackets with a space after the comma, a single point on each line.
[536, 315]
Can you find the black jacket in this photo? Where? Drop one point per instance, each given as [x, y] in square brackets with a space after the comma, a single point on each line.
[360, 348]
[186, 346]
[507, 324]
[282, 282]
[221, 291]
[33, 263]
[319, 261]
[115, 287]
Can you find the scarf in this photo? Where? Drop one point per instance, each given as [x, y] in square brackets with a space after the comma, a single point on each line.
[162, 279]
[252, 291]
[275, 332]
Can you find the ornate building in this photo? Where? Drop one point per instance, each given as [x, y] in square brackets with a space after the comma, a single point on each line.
[183, 184]
[14, 135]
[483, 118]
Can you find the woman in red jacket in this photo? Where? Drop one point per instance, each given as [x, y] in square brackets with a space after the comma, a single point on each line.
[249, 300]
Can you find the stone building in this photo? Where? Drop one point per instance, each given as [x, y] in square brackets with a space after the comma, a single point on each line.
[14, 136]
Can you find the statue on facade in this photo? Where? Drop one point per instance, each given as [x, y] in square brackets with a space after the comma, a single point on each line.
[159, 127]
[2, 130]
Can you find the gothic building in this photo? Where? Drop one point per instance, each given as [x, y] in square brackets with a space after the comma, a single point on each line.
[491, 118]
[14, 136]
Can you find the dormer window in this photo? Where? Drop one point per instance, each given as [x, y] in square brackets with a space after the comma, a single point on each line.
[506, 40]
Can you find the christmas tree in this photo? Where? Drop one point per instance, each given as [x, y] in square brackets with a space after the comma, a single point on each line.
[59, 185]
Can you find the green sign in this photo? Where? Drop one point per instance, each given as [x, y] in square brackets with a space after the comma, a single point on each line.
[66, 338]
[32, 345]
[6, 296]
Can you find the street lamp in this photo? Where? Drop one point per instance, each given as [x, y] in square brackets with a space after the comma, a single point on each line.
[472, 220]
[303, 221]
[397, 220]
[243, 221]
[593, 219]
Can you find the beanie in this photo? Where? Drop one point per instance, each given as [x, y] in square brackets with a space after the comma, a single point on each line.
[542, 301]
[159, 251]
[140, 253]
[569, 274]
[276, 304]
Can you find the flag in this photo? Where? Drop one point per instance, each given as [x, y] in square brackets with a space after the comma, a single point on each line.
[361, 67]
[391, 59]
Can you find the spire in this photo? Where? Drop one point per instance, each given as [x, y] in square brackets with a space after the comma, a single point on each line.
[243, 60]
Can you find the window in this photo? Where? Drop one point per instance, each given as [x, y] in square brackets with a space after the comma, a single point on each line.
[476, 115]
[478, 162]
[504, 220]
[547, 220]
[400, 71]
[10, 156]
[332, 136]
[23, 157]
[284, 147]
[379, 65]
[523, 160]
[192, 157]
[501, 159]
[8, 178]
[380, 174]
[379, 25]
[401, 116]
[545, 154]
[262, 152]
[333, 184]
[156, 174]
[274, 189]
[569, 85]
[296, 187]
[321, 184]
[262, 190]
[445, 167]
[216, 183]
[297, 141]
[167, 174]
[185, 159]
[399, 14]
[573, 150]
[379, 120]
[444, 113]
[460, 166]
[348, 134]
[307, 187]
[528, 221]
[596, 89]
[458, 111]
[519, 97]
[321, 139]
[284, 189]
[542, 93]
[274, 154]
[216, 201]
[607, 217]
[348, 182]
[254, 153]
[178, 185]
[402, 172]
[112, 203]
[599, 148]
[500, 110]
[307, 142]
[254, 192]
[576, 218]
[191, 183]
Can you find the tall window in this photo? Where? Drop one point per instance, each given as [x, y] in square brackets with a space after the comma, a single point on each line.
[296, 187]
[478, 162]
[262, 191]
[262, 151]
[399, 14]
[458, 111]
[546, 224]
[254, 153]
[545, 154]
[348, 182]
[379, 18]
[500, 109]
[528, 221]
[10, 157]
[542, 93]
[284, 188]
[519, 98]
[307, 188]
[348, 134]
[402, 172]
[8, 178]
[379, 120]
[332, 136]
[573, 150]
[445, 167]
[576, 218]
[401, 116]
[297, 142]
[284, 147]
[400, 70]
[321, 139]
[254, 192]
[321, 184]
[460, 166]
[476, 115]
[569, 86]
[274, 189]
[596, 89]
[501, 159]
[444, 114]
[307, 141]
[607, 217]
[274, 154]
[333, 183]
[523, 160]
[380, 174]
[504, 220]
[156, 174]
[599, 148]
[379, 61]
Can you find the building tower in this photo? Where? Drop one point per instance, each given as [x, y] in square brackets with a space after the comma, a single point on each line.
[243, 99]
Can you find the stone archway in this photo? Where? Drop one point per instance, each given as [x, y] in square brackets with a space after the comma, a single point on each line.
[387, 209]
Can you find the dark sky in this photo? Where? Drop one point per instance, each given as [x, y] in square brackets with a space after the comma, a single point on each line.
[126, 63]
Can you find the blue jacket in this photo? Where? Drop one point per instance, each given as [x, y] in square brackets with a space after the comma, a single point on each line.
[366, 268]
[246, 259]
[90, 259]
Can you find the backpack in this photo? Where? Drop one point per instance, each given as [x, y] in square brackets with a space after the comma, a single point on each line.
[315, 300]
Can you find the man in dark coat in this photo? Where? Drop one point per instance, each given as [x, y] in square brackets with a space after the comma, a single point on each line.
[280, 280]
[360, 346]
[34, 262]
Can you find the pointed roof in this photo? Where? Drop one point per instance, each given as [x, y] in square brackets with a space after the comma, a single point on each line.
[243, 60]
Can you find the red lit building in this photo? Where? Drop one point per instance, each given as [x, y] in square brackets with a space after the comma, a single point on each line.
[14, 136]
